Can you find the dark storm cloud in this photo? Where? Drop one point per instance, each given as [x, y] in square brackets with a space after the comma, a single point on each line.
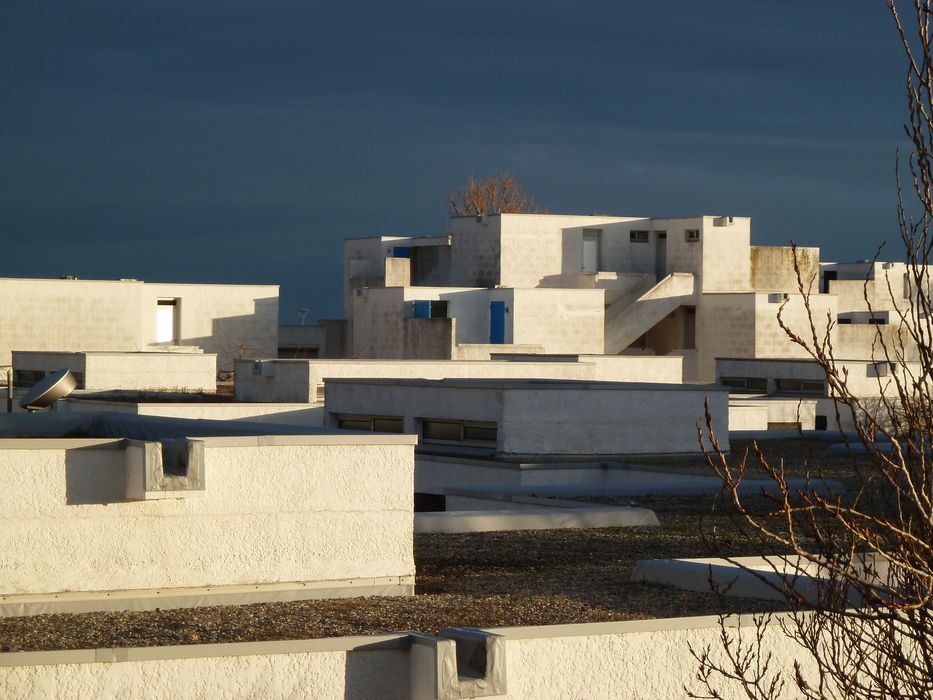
[242, 141]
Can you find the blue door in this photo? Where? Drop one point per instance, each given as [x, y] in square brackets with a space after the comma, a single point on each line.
[423, 309]
[497, 322]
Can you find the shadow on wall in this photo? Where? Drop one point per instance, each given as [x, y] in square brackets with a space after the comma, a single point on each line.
[246, 337]
[94, 476]
[373, 666]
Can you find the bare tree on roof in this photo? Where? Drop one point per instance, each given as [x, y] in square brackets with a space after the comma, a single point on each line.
[492, 195]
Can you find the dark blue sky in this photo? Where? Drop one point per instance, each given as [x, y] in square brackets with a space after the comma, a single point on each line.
[243, 140]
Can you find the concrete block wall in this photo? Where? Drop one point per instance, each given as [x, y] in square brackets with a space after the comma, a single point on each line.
[78, 315]
[602, 420]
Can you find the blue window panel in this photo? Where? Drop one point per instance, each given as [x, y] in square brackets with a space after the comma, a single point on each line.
[497, 322]
[401, 251]
[422, 309]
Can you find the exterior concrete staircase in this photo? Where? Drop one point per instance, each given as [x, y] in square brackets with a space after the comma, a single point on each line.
[627, 321]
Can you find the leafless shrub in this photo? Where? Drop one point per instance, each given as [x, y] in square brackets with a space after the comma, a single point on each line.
[863, 626]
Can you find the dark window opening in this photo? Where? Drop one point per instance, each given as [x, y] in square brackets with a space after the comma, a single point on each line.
[430, 502]
[466, 432]
[746, 384]
[377, 424]
[783, 425]
[821, 423]
[828, 277]
[801, 386]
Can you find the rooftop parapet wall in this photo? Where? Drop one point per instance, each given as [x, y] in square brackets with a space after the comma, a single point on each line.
[273, 510]
[642, 660]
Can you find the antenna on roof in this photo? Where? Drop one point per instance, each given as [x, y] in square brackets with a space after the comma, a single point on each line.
[55, 386]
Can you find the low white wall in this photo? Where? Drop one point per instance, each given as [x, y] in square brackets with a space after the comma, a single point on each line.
[294, 508]
[647, 659]
[308, 415]
[140, 371]
[661, 369]
[757, 413]
[600, 419]
[167, 371]
[329, 669]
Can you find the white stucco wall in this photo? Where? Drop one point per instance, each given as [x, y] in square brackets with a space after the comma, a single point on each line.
[559, 320]
[771, 340]
[641, 659]
[539, 248]
[307, 508]
[757, 413]
[726, 254]
[725, 327]
[322, 669]
[75, 315]
[647, 659]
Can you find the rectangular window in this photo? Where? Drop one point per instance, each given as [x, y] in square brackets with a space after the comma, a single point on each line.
[638, 236]
[441, 430]
[692, 235]
[378, 424]
[745, 384]
[27, 377]
[783, 425]
[801, 386]
[426, 308]
[464, 432]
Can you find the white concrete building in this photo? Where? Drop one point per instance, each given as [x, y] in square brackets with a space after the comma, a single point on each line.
[529, 418]
[692, 287]
[73, 315]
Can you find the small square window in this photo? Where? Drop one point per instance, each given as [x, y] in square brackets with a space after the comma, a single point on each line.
[638, 236]
[692, 235]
